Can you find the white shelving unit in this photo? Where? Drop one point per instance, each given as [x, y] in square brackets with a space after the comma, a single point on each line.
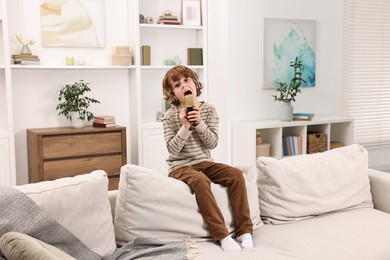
[7, 139]
[166, 41]
[336, 128]
[145, 98]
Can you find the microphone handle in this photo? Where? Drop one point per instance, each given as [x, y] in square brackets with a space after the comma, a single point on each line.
[189, 109]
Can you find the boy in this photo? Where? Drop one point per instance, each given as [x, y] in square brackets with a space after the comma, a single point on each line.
[189, 136]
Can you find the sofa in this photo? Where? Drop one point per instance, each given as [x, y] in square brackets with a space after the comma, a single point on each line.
[327, 205]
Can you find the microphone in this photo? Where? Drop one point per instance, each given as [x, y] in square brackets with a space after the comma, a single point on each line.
[189, 102]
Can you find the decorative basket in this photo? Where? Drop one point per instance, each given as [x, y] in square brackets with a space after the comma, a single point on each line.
[316, 142]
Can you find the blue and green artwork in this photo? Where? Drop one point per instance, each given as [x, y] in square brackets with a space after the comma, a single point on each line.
[285, 39]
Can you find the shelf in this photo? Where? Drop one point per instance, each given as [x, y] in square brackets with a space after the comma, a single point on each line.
[170, 27]
[277, 123]
[63, 67]
[164, 67]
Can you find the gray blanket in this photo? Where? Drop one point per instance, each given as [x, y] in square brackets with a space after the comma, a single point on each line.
[20, 214]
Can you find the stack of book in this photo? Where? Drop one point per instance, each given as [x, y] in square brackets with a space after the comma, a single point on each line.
[168, 19]
[303, 116]
[104, 121]
[25, 59]
[292, 145]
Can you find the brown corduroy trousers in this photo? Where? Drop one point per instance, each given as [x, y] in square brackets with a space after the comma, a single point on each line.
[199, 177]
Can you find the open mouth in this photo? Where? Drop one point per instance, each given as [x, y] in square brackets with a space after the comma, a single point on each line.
[188, 92]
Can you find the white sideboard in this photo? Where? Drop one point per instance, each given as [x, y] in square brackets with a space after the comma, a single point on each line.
[336, 128]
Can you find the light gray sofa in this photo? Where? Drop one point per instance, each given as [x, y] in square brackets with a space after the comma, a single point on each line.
[352, 234]
[323, 206]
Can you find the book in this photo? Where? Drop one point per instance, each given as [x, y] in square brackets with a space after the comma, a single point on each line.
[169, 22]
[167, 17]
[195, 56]
[145, 54]
[26, 62]
[24, 56]
[299, 141]
[104, 117]
[103, 125]
[103, 121]
[303, 116]
[285, 152]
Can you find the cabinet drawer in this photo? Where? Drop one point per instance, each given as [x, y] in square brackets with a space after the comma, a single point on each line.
[72, 167]
[81, 144]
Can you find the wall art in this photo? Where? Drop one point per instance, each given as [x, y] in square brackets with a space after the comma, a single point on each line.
[283, 40]
[75, 23]
[191, 12]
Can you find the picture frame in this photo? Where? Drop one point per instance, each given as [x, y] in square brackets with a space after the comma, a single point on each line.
[191, 12]
[283, 40]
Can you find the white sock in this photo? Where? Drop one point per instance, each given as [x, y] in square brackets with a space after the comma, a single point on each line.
[246, 240]
[228, 244]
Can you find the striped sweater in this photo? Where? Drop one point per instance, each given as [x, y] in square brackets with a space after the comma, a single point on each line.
[190, 146]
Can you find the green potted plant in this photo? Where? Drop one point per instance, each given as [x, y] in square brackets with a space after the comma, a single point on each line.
[74, 103]
[287, 92]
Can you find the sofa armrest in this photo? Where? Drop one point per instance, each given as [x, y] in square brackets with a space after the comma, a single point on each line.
[112, 194]
[380, 189]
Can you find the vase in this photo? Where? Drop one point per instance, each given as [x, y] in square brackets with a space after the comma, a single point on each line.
[285, 111]
[76, 121]
[25, 50]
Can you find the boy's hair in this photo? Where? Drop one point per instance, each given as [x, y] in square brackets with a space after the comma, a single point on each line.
[174, 75]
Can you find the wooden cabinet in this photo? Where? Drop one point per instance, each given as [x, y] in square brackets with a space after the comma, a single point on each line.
[64, 152]
[337, 129]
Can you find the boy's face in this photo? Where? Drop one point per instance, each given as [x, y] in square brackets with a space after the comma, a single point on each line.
[182, 87]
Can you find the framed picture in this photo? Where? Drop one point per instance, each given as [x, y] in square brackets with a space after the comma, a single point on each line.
[283, 41]
[73, 23]
[191, 12]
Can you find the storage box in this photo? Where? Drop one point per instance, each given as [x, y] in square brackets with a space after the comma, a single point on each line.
[263, 150]
[122, 60]
[316, 142]
[334, 144]
[122, 50]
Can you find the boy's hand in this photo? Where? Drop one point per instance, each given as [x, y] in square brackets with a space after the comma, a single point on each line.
[194, 116]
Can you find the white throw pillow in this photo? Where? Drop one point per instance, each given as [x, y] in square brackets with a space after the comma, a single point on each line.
[16, 245]
[298, 187]
[151, 204]
[80, 204]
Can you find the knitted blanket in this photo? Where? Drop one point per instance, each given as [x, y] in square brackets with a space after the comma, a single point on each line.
[20, 214]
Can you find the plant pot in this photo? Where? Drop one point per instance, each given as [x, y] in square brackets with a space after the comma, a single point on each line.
[285, 111]
[76, 121]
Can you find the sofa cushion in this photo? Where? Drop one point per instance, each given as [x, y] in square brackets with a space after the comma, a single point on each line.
[298, 187]
[80, 204]
[361, 233]
[16, 245]
[151, 204]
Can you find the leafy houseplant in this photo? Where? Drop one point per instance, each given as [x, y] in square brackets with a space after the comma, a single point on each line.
[72, 99]
[287, 93]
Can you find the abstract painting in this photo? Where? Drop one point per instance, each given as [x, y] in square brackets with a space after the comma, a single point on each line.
[75, 23]
[284, 40]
